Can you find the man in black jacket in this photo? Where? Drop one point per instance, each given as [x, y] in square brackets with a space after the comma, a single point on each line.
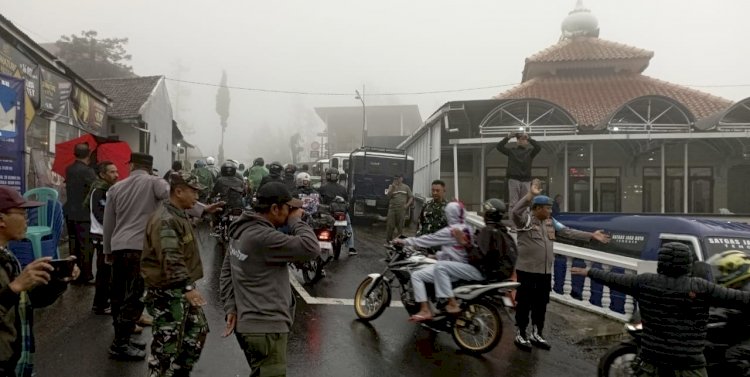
[96, 202]
[78, 179]
[674, 307]
[519, 164]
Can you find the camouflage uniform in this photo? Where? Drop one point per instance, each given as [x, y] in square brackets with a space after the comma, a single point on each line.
[432, 217]
[171, 262]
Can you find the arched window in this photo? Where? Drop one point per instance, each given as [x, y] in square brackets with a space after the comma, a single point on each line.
[651, 114]
[535, 117]
[736, 118]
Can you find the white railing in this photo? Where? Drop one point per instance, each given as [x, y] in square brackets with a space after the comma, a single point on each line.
[589, 257]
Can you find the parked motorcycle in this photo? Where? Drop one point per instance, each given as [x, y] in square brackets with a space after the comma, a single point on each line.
[476, 329]
[622, 359]
[313, 270]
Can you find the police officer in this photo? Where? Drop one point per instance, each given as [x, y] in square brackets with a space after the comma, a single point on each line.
[432, 218]
[328, 192]
[400, 198]
[170, 266]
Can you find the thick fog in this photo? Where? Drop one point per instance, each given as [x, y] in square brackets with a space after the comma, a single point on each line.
[336, 46]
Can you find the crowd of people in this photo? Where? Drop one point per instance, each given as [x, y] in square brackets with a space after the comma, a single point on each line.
[141, 231]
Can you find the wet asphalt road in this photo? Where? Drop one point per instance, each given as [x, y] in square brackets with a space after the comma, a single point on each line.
[326, 339]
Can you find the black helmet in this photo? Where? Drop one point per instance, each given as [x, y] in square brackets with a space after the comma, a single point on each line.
[275, 168]
[242, 166]
[228, 169]
[332, 175]
[259, 162]
[494, 209]
[290, 169]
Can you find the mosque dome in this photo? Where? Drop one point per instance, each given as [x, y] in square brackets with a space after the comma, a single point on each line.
[580, 22]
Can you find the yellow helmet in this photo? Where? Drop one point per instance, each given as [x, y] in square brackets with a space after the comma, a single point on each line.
[733, 267]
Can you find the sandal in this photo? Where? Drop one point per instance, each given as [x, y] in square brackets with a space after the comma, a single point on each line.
[419, 318]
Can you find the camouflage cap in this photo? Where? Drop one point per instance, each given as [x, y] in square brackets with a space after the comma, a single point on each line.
[187, 179]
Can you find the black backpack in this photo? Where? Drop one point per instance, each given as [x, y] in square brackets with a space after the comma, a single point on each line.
[494, 254]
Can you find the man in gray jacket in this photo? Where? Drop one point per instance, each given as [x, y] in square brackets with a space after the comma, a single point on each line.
[536, 235]
[254, 280]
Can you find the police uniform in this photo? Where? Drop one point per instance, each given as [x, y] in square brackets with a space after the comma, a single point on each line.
[170, 266]
[432, 217]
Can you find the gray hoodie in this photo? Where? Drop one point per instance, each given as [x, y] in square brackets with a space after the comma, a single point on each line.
[254, 279]
[450, 249]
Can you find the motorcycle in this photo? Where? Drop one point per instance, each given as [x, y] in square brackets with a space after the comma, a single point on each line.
[221, 223]
[313, 270]
[622, 359]
[477, 329]
[338, 209]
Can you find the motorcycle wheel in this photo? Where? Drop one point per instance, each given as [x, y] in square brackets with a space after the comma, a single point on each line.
[619, 361]
[370, 307]
[311, 271]
[479, 328]
[336, 248]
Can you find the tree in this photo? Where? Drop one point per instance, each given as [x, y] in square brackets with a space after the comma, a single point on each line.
[222, 108]
[295, 147]
[95, 58]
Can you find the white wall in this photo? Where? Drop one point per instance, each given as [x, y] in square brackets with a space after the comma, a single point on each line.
[157, 114]
[426, 153]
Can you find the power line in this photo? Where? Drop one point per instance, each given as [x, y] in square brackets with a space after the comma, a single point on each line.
[309, 93]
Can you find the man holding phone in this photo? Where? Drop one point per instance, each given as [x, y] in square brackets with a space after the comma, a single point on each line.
[520, 159]
[37, 285]
[254, 282]
[171, 265]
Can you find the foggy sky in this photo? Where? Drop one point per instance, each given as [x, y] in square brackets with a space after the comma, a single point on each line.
[390, 46]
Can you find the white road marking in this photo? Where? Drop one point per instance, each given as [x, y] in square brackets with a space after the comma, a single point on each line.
[327, 300]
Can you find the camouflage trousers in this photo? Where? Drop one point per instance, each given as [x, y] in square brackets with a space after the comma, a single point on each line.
[179, 332]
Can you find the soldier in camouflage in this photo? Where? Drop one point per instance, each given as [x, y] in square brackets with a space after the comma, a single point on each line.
[432, 218]
[171, 265]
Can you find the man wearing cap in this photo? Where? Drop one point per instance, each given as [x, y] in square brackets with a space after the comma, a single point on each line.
[78, 179]
[129, 203]
[399, 199]
[170, 266]
[254, 281]
[520, 159]
[536, 234]
[21, 290]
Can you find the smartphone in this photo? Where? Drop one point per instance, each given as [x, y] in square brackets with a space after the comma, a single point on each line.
[63, 268]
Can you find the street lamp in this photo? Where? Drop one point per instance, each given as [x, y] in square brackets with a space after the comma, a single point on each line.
[361, 98]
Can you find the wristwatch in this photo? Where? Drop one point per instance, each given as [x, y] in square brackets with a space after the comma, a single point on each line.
[189, 287]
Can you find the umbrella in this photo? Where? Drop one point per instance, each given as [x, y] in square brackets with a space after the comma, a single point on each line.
[102, 148]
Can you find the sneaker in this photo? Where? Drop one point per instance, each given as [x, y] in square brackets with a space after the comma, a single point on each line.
[352, 251]
[140, 344]
[537, 340]
[521, 341]
[145, 320]
[126, 352]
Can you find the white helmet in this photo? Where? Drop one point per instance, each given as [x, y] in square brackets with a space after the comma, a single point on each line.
[210, 160]
[302, 179]
[235, 163]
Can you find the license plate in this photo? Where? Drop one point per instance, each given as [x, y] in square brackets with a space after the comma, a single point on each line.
[370, 202]
[325, 245]
[340, 223]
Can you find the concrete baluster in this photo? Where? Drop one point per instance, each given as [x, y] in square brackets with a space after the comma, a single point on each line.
[586, 293]
[568, 285]
[606, 298]
[629, 301]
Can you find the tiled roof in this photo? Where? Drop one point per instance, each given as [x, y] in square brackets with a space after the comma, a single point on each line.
[593, 99]
[588, 48]
[128, 94]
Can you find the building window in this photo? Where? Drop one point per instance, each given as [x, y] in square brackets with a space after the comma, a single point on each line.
[700, 189]
[578, 189]
[65, 132]
[607, 190]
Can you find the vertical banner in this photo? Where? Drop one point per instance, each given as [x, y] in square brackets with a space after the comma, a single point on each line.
[12, 132]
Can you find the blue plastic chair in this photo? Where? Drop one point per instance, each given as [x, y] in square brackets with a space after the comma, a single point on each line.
[43, 226]
[23, 249]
